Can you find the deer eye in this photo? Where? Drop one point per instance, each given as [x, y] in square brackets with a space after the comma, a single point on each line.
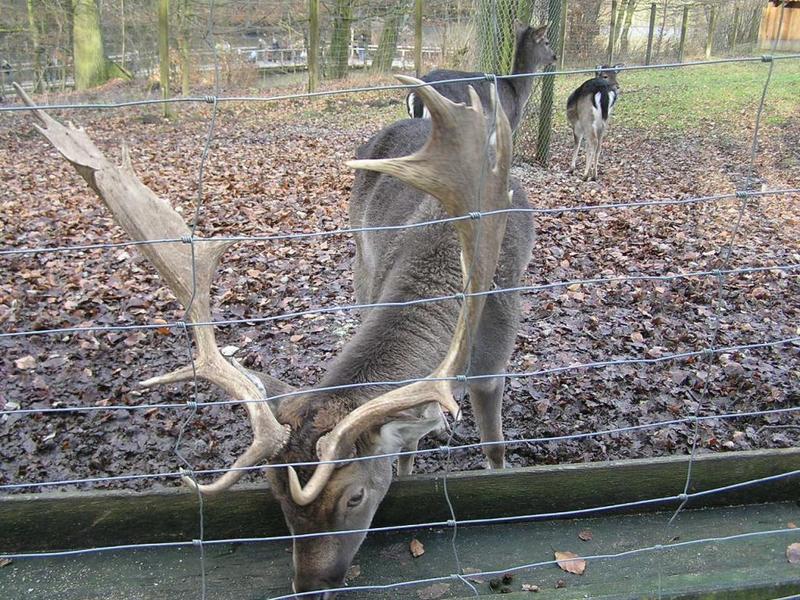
[356, 499]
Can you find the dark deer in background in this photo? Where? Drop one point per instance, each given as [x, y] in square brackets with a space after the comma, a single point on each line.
[532, 51]
[419, 170]
[588, 113]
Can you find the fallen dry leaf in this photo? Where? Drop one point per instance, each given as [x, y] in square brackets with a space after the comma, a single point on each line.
[352, 573]
[791, 525]
[529, 587]
[432, 592]
[793, 553]
[469, 575]
[585, 535]
[561, 584]
[416, 548]
[570, 562]
[4, 562]
[26, 362]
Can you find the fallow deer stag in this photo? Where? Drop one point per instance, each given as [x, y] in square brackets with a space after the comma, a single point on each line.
[419, 170]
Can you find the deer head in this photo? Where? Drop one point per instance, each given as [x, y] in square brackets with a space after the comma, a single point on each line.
[609, 73]
[324, 426]
[533, 49]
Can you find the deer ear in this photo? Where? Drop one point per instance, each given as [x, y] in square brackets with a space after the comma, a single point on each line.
[519, 27]
[401, 434]
[540, 34]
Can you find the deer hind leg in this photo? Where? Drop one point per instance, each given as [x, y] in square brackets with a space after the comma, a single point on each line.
[494, 343]
[591, 153]
[600, 134]
[577, 139]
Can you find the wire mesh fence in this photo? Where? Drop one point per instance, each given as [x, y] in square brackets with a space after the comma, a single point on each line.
[353, 32]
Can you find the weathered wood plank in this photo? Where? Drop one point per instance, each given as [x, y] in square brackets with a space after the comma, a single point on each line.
[749, 568]
[83, 519]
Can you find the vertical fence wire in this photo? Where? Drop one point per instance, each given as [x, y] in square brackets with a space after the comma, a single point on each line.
[726, 255]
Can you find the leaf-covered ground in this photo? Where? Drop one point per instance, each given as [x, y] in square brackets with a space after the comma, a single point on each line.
[279, 167]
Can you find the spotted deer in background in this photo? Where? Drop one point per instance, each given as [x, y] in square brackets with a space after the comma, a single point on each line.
[588, 112]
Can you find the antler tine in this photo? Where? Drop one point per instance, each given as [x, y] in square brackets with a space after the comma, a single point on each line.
[446, 167]
[186, 269]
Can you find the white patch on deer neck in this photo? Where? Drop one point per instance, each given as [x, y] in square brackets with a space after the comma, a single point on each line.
[410, 104]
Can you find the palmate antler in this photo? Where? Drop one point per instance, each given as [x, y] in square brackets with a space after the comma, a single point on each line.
[144, 216]
[453, 167]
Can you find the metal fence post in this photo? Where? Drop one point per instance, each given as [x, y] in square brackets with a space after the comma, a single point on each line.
[313, 45]
[684, 24]
[612, 32]
[418, 37]
[650, 31]
[548, 87]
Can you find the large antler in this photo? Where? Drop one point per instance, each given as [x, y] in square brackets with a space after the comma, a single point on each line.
[186, 269]
[453, 166]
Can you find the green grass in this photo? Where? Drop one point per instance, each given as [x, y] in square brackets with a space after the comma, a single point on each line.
[721, 96]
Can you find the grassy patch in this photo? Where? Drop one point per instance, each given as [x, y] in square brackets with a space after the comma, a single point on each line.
[720, 96]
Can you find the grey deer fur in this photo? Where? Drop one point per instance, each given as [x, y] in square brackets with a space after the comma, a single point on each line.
[392, 343]
[589, 110]
[532, 52]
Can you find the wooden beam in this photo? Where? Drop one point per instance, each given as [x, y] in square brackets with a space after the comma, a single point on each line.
[30, 522]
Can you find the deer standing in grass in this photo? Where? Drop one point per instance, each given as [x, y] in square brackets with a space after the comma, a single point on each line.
[410, 172]
[531, 52]
[588, 112]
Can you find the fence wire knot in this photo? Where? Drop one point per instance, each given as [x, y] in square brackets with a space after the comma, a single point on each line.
[451, 522]
[191, 404]
[767, 58]
[461, 378]
[742, 194]
[683, 496]
[475, 215]
[210, 99]
[460, 296]
[197, 542]
[187, 239]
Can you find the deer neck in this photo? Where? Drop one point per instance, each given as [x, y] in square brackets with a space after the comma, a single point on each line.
[522, 86]
[392, 344]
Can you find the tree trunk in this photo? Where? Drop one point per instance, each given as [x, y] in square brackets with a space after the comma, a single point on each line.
[312, 50]
[182, 39]
[382, 61]
[626, 27]
[583, 25]
[91, 68]
[163, 52]
[339, 53]
[33, 27]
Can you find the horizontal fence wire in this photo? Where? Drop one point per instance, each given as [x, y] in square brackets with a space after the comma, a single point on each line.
[210, 99]
[681, 497]
[418, 452]
[397, 383]
[99, 329]
[349, 231]
[193, 405]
